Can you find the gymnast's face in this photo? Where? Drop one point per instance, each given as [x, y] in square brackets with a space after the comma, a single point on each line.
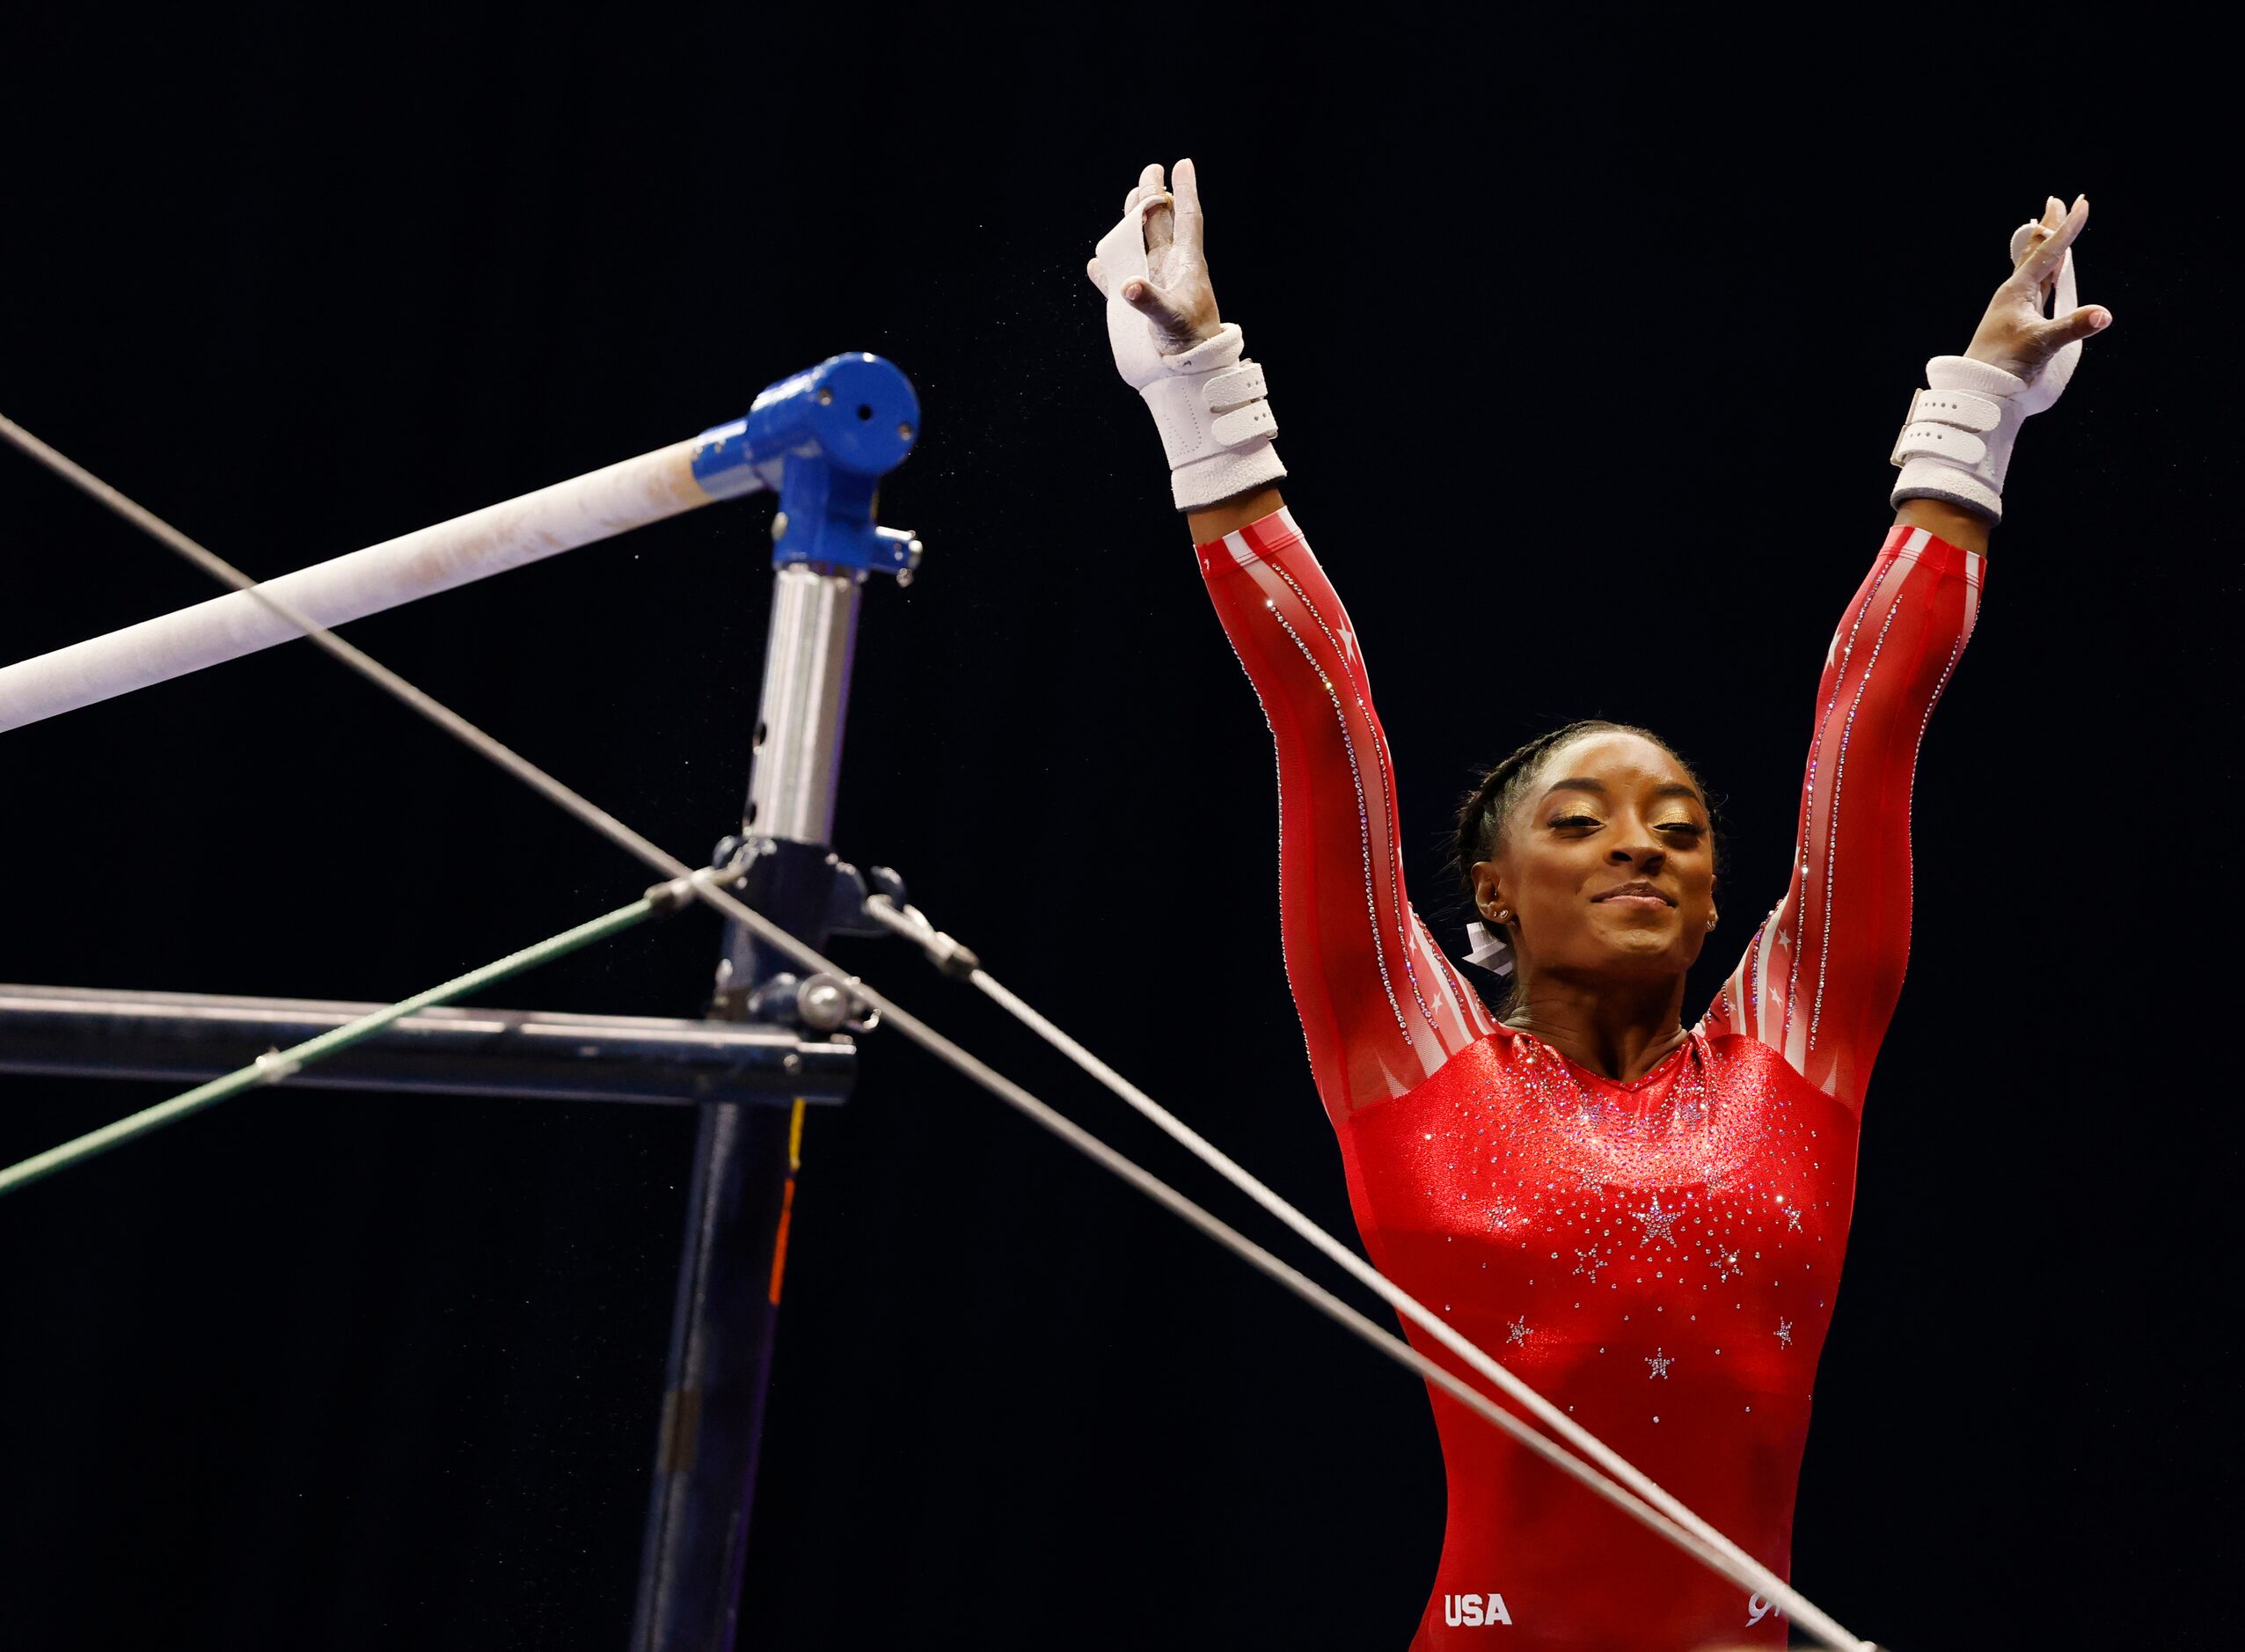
[1606, 810]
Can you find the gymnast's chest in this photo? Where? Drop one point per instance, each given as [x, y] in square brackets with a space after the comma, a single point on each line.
[1721, 1185]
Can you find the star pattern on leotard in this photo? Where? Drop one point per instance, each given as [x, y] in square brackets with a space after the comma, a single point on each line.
[1785, 1332]
[1519, 1331]
[1659, 1365]
[1590, 1262]
[1792, 1221]
[1657, 1222]
[1726, 1264]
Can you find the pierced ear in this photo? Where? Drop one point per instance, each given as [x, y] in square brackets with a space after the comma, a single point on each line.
[1488, 892]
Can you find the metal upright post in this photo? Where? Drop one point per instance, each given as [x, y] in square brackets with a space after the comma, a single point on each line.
[822, 439]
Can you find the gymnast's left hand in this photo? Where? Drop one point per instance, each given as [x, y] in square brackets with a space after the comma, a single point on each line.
[1176, 297]
[2015, 334]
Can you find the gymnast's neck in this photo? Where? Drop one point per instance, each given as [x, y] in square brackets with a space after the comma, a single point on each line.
[1618, 1029]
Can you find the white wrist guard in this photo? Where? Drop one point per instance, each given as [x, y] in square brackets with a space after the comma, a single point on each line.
[1955, 444]
[1215, 425]
[1207, 402]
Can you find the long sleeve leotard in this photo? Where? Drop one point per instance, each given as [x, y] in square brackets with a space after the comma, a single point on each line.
[1660, 1257]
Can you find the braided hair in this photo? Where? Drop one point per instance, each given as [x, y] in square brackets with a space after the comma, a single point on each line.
[1483, 814]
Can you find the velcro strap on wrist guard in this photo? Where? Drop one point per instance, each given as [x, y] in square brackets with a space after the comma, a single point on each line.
[1956, 444]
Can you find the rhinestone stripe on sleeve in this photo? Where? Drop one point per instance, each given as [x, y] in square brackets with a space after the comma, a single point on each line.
[1831, 829]
[1809, 809]
[1363, 822]
[1387, 798]
[1757, 979]
[1286, 960]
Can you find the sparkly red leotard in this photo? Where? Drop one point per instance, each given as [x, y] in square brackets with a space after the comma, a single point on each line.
[1660, 1258]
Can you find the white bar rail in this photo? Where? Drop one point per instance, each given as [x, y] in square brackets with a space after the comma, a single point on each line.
[595, 506]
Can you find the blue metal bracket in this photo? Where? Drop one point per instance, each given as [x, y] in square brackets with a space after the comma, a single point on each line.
[823, 440]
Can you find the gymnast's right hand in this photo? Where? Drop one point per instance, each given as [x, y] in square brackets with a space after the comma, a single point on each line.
[1172, 349]
[1165, 277]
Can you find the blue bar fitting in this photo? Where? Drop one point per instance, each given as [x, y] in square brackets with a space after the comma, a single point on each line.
[821, 440]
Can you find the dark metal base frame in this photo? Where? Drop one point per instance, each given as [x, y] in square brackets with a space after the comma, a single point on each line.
[748, 1080]
[186, 1037]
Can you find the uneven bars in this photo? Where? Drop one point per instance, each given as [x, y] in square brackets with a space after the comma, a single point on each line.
[595, 506]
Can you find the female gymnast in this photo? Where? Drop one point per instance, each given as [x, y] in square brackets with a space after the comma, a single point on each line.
[1644, 1220]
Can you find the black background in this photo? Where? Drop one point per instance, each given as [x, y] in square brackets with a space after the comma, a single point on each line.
[1588, 348]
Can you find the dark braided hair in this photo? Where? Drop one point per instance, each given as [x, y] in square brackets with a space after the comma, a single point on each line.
[1481, 816]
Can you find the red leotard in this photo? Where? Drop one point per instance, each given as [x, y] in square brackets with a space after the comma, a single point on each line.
[1659, 1258]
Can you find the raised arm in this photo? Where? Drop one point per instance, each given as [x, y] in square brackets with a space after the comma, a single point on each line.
[1820, 978]
[1381, 1007]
